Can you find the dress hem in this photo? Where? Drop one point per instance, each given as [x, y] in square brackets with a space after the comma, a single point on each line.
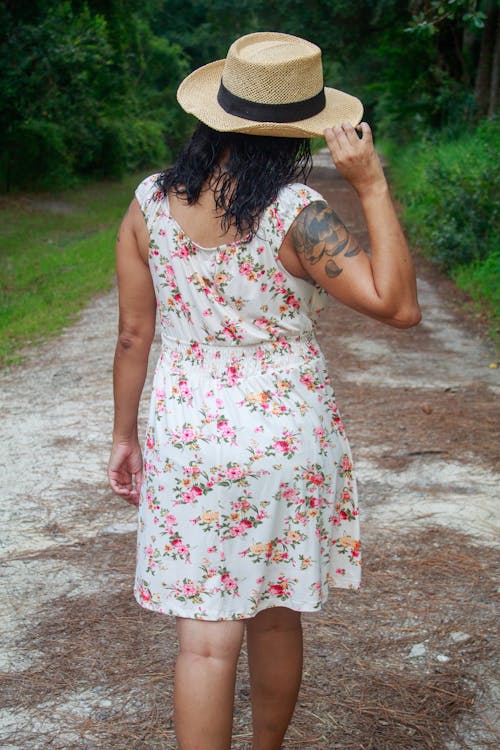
[268, 604]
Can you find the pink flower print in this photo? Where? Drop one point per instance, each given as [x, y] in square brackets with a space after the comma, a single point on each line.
[319, 431]
[211, 550]
[189, 589]
[308, 380]
[225, 429]
[144, 594]
[185, 389]
[234, 472]
[230, 331]
[229, 583]
[290, 493]
[149, 550]
[207, 313]
[279, 589]
[281, 446]
[233, 374]
[169, 272]
[170, 520]
[188, 435]
[317, 479]
[292, 301]
[340, 571]
[346, 464]
[191, 495]
[246, 269]
[279, 279]
[150, 442]
[182, 251]
[237, 530]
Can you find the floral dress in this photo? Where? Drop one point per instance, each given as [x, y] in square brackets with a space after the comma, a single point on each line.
[248, 498]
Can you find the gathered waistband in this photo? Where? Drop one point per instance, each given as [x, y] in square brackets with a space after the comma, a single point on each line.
[242, 359]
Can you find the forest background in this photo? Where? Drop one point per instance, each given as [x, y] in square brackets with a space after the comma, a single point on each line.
[88, 92]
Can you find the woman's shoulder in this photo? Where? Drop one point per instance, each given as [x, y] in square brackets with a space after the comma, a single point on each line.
[148, 190]
[298, 194]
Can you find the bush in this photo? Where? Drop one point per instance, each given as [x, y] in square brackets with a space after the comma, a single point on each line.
[74, 103]
[450, 192]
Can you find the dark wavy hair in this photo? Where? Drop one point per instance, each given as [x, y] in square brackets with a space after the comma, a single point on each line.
[246, 172]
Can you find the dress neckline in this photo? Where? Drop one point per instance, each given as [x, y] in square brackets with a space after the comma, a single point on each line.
[196, 244]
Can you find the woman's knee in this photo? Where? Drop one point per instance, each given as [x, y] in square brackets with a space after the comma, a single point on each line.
[275, 619]
[219, 640]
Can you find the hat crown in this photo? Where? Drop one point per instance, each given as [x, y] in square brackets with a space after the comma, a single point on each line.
[273, 68]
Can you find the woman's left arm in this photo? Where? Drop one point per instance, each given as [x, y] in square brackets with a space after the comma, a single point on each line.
[137, 305]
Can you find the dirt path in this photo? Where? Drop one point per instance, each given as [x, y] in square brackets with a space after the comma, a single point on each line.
[408, 662]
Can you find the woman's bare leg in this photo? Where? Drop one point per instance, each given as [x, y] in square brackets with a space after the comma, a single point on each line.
[204, 683]
[275, 662]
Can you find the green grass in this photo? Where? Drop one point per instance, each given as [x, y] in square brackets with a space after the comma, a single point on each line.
[56, 251]
[449, 192]
[481, 281]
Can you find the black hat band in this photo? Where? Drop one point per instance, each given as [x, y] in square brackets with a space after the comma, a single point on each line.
[259, 112]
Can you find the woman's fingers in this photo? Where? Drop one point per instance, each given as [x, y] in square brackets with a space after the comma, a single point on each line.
[366, 131]
[349, 133]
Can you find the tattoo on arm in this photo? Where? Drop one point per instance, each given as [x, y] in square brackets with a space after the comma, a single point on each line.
[319, 235]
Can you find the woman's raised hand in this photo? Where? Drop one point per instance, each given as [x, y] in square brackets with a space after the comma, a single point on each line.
[355, 157]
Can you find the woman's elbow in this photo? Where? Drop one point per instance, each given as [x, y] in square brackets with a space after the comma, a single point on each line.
[407, 318]
[135, 338]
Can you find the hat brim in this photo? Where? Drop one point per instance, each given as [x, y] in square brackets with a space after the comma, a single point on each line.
[197, 95]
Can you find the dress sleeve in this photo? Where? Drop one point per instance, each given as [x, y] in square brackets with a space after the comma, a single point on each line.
[148, 196]
[290, 203]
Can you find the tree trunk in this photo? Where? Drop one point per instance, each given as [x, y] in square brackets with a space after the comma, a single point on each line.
[485, 72]
[495, 71]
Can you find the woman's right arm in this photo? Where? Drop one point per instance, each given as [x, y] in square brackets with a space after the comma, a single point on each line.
[137, 304]
[382, 284]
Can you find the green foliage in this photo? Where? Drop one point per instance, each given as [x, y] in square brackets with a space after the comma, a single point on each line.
[75, 102]
[481, 281]
[430, 14]
[450, 190]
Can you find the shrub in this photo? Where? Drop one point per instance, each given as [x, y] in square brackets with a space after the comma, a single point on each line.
[450, 193]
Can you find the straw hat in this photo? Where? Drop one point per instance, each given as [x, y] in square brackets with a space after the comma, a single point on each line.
[269, 84]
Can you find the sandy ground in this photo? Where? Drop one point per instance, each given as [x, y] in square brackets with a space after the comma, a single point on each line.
[407, 662]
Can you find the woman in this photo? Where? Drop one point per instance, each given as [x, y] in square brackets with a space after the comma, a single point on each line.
[247, 501]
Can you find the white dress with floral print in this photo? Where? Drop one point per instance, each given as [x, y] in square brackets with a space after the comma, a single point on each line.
[248, 498]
